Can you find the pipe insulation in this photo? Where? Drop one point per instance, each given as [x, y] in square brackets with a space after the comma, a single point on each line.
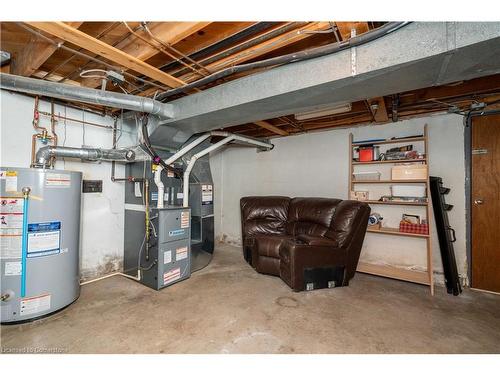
[85, 95]
[44, 154]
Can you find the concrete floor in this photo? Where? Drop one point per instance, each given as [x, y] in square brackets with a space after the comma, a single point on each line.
[229, 308]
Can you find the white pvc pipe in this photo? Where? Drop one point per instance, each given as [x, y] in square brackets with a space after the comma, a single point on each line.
[195, 157]
[187, 148]
[138, 278]
[183, 151]
[159, 185]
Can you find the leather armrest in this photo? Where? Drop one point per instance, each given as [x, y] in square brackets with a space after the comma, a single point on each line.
[315, 240]
[297, 253]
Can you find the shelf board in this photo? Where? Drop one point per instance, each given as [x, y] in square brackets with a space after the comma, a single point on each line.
[389, 141]
[390, 182]
[389, 161]
[396, 232]
[419, 277]
[396, 203]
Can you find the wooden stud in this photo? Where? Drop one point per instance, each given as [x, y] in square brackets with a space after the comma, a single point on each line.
[85, 41]
[271, 127]
[265, 47]
[35, 54]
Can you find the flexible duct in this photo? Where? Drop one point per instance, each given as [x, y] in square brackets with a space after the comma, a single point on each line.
[85, 95]
[44, 154]
[291, 57]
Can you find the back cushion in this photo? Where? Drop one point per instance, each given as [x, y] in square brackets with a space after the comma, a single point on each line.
[264, 215]
[345, 220]
[310, 215]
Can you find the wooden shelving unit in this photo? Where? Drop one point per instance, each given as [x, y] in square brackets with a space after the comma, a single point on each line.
[396, 232]
[413, 276]
[420, 277]
[396, 203]
[390, 182]
[388, 161]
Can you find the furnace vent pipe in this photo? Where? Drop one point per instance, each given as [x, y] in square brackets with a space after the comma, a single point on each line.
[203, 137]
[228, 138]
[44, 154]
[85, 95]
[159, 185]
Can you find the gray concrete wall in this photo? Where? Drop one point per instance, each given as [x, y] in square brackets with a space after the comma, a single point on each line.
[316, 164]
[102, 213]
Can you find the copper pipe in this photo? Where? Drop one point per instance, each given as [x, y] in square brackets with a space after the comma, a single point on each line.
[36, 115]
[33, 143]
[163, 50]
[76, 120]
[53, 131]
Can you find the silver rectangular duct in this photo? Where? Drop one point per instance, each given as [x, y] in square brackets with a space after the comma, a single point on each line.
[422, 54]
[85, 95]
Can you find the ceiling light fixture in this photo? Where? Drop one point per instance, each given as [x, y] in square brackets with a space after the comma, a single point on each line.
[324, 111]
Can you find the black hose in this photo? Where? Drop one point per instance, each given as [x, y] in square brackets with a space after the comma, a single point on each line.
[149, 149]
[243, 46]
[291, 57]
[225, 43]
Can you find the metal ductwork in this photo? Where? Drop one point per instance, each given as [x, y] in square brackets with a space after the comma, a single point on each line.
[85, 95]
[44, 154]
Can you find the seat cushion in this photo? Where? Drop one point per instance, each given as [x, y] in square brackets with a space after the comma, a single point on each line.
[269, 245]
[310, 216]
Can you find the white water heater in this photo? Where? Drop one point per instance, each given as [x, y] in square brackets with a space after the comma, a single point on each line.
[40, 234]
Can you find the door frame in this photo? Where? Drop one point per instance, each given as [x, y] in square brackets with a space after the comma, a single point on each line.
[468, 184]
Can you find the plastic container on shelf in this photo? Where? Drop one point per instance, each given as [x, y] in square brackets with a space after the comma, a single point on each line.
[366, 176]
[408, 191]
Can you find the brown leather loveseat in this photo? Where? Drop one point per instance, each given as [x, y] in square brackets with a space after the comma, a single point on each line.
[309, 242]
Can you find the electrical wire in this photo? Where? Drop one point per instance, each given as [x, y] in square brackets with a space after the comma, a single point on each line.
[93, 59]
[290, 58]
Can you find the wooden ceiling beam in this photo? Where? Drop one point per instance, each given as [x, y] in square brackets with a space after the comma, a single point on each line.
[168, 32]
[271, 127]
[346, 27]
[89, 43]
[255, 51]
[264, 48]
[35, 54]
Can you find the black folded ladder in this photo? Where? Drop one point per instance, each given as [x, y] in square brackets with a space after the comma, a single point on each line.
[446, 235]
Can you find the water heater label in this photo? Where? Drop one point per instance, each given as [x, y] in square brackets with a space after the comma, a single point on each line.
[58, 180]
[12, 268]
[11, 227]
[44, 239]
[10, 180]
[34, 305]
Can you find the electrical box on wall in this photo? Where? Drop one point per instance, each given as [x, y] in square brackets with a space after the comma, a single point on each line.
[92, 186]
